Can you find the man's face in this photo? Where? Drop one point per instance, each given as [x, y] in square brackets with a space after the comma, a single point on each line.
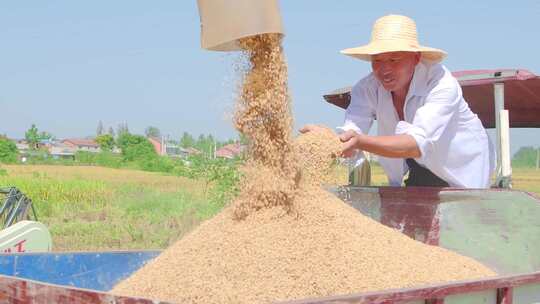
[395, 69]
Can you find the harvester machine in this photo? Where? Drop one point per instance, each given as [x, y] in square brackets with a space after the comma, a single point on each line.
[20, 230]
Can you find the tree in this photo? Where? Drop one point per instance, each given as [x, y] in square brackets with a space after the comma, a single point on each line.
[135, 147]
[122, 129]
[32, 137]
[210, 145]
[187, 141]
[152, 132]
[525, 157]
[105, 142]
[244, 140]
[44, 135]
[99, 130]
[8, 151]
[200, 143]
[111, 132]
[206, 144]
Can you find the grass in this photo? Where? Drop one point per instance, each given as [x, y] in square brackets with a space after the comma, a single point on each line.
[96, 208]
[526, 179]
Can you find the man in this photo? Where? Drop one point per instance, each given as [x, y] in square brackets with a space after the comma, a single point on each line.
[425, 127]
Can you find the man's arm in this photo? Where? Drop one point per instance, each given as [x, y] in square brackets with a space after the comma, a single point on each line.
[396, 146]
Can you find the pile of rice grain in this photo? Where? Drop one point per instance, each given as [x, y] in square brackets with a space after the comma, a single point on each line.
[284, 237]
[317, 152]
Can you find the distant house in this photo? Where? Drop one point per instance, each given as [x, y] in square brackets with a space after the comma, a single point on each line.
[171, 148]
[230, 151]
[22, 146]
[51, 147]
[46, 142]
[158, 145]
[177, 151]
[62, 150]
[88, 145]
[191, 151]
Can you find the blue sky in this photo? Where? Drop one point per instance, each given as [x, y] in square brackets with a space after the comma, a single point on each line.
[65, 65]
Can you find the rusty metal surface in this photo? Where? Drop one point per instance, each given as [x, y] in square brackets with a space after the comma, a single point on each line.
[340, 97]
[23, 291]
[499, 228]
[501, 285]
[521, 98]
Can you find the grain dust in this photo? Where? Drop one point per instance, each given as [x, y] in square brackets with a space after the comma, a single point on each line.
[284, 237]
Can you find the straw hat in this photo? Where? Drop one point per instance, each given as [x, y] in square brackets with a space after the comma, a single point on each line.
[394, 33]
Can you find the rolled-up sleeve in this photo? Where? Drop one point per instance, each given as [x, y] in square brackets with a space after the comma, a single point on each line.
[360, 113]
[431, 119]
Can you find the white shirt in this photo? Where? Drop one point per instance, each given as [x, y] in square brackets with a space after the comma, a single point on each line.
[453, 143]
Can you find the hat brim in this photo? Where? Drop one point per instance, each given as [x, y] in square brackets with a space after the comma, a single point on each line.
[430, 55]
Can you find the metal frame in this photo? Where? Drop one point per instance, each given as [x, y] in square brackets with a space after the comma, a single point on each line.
[23, 291]
[15, 207]
[503, 286]
[502, 124]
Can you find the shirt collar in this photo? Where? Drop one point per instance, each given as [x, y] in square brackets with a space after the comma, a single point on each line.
[418, 86]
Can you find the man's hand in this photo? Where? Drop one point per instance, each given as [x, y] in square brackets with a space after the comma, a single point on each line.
[351, 142]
